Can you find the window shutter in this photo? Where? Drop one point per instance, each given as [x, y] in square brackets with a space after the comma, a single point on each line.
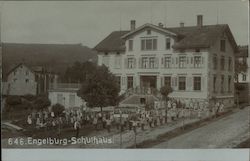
[176, 82]
[187, 60]
[140, 62]
[134, 63]
[162, 62]
[162, 81]
[156, 62]
[190, 83]
[192, 60]
[202, 61]
[177, 60]
[172, 81]
[202, 83]
[172, 60]
[126, 63]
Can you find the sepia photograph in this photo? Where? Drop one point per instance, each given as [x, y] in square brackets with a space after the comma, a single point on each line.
[125, 74]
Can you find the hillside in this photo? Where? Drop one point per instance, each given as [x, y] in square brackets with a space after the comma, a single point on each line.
[55, 57]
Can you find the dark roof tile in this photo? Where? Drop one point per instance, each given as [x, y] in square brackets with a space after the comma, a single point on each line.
[112, 42]
[188, 37]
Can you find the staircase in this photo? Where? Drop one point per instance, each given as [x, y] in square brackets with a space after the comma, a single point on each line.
[140, 96]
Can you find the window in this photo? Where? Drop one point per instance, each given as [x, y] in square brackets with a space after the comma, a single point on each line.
[27, 73]
[223, 45]
[71, 100]
[142, 100]
[182, 61]
[130, 45]
[118, 62]
[229, 83]
[149, 44]
[148, 32]
[244, 77]
[197, 61]
[168, 43]
[222, 84]
[182, 83]
[60, 99]
[106, 60]
[167, 81]
[230, 64]
[167, 62]
[197, 50]
[27, 80]
[130, 63]
[152, 62]
[197, 83]
[144, 62]
[14, 72]
[214, 84]
[118, 81]
[215, 62]
[222, 63]
[14, 80]
[129, 82]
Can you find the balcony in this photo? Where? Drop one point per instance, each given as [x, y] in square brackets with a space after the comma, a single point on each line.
[64, 86]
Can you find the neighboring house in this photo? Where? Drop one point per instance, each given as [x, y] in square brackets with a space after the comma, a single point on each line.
[243, 78]
[44, 79]
[196, 61]
[243, 57]
[22, 80]
[66, 95]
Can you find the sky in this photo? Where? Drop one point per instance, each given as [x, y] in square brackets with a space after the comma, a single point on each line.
[89, 22]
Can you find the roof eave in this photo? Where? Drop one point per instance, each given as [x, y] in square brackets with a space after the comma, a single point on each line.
[148, 25]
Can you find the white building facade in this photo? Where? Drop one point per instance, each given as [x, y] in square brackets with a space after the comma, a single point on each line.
[153, 56]
[20, 81]
[66, 95]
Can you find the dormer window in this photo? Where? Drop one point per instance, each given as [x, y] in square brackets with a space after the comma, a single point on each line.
[118, 53]
[197, 50]
[106, 53]
[223, 45]
[130, 45]
[168, 43]
[148, 32]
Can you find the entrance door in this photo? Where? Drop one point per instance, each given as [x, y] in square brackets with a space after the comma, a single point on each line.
[148, 81]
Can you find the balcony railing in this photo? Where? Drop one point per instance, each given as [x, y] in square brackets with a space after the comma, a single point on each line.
[65, 86]
[142, 91]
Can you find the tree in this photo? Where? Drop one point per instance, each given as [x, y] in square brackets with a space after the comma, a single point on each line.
[100, 88]
[165, 91]
[78, 72]
[41, 102]
[12, 102]
[58, 109]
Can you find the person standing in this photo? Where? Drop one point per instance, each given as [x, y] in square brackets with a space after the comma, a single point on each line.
[95, 120]
[108, 124]
[77, 127]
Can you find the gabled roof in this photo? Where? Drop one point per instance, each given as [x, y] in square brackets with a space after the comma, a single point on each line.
[147, 25]
[243, 51]
[17, 66]
[33, 69]
[187, 37]
[201, 37]
[112, 42]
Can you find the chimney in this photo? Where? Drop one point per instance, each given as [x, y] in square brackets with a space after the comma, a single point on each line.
[199, 21]
[181, 24]
[160, 25]
[132, 25]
